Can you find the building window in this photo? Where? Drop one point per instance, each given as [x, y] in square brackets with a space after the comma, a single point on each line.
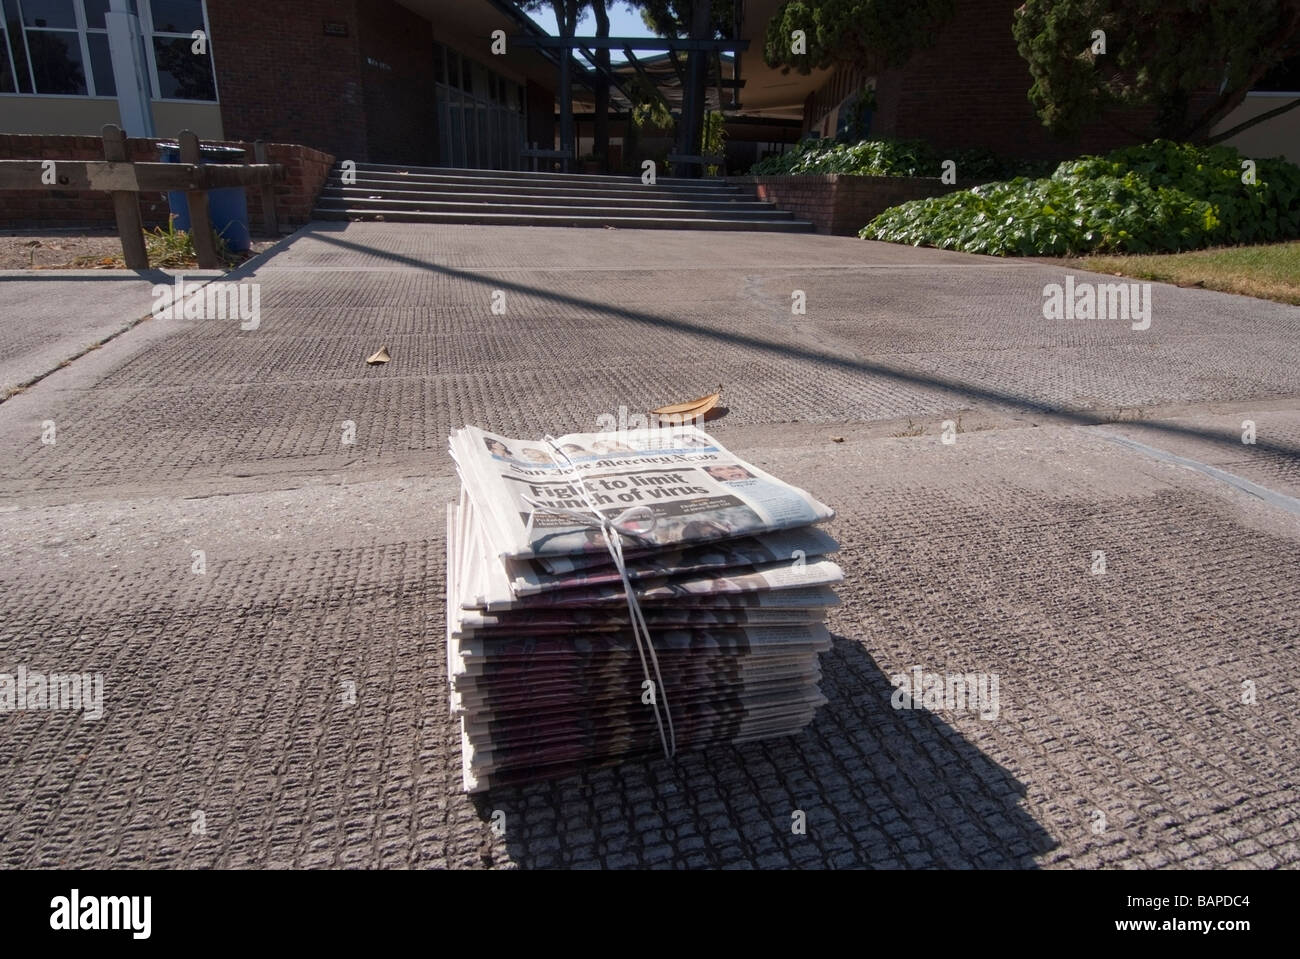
[480, 114]
[54, 51]
[101, 63]
[60, 48]
[181, 73]
[13, 77]
[178, 16]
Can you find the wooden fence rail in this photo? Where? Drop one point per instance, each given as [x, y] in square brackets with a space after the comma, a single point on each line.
[117, 175]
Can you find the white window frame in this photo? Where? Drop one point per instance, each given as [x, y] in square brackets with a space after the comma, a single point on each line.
[146, 27]
[83, 29]
[79, 14]
[13, 64]
[83, 24]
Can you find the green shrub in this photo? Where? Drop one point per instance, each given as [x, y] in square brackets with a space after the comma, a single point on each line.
[890, 158]
[1154, 198]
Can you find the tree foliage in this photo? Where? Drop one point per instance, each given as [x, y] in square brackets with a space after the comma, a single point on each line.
[886, 32]
[1193, 61]
[567, 12]
[672, 18]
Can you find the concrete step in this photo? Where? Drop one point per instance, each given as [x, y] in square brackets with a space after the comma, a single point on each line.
[334, 196]
[412, 194]
[593, 178]
[667, 222]
[527, 188]
[546, 209]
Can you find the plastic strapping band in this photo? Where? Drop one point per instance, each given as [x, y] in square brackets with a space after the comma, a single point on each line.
[612, 529]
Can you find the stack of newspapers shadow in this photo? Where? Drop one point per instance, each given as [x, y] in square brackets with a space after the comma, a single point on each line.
[550, 669]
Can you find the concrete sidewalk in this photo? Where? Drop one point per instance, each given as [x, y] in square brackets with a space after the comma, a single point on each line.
[54, 316]
[1122, 736]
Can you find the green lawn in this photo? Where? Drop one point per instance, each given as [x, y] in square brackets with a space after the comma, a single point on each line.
[1271, 271]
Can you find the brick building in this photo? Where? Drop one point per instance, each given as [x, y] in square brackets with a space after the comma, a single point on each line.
[417, 82]
[377, 80]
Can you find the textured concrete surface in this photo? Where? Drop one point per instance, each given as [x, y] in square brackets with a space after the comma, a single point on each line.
[53, 317]
[1122, 737]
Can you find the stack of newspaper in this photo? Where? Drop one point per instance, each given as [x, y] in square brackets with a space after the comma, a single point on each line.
[549, 671]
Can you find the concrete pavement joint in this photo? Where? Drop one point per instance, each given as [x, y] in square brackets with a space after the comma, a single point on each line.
[1280, 500]
[155, 276]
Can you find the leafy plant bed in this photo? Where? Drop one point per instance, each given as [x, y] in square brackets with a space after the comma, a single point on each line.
[1155, 198]
[892, 158]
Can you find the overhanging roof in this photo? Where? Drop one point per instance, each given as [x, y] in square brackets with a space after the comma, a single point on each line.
[769, 92]
[469, 24]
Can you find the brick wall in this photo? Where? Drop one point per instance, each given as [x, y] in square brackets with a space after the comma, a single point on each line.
[840, 203]
[398, 83]
[365, 96]
[305, 171]
[281, 79]
[971, 89]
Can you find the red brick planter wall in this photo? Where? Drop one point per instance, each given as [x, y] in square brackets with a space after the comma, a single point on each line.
[305, 170]
[842, 203]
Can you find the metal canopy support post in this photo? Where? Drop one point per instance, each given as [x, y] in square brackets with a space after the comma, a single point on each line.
[684, 145]
[566, 111]
[721, 106]
[736, 13]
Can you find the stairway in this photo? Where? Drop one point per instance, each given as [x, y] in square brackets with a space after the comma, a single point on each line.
[410, 194]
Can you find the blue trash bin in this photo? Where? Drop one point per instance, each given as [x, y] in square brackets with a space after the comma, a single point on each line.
[227, 208]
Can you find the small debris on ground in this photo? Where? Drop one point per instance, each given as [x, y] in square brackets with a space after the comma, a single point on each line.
[379, 357]
[679, 412]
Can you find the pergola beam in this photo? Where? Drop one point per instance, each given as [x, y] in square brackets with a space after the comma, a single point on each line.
[642, 44]
[535, 32]
[641, 72]
[615, 79]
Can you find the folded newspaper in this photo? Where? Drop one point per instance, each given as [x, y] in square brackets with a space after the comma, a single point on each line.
[548, 674]
[664, 488]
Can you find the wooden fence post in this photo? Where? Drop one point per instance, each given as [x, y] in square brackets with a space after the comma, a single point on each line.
[126, 204]
[269, 219]
[200, 222]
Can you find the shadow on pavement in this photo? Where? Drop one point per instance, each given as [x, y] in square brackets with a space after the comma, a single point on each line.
[786, 348]
[878, 787]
